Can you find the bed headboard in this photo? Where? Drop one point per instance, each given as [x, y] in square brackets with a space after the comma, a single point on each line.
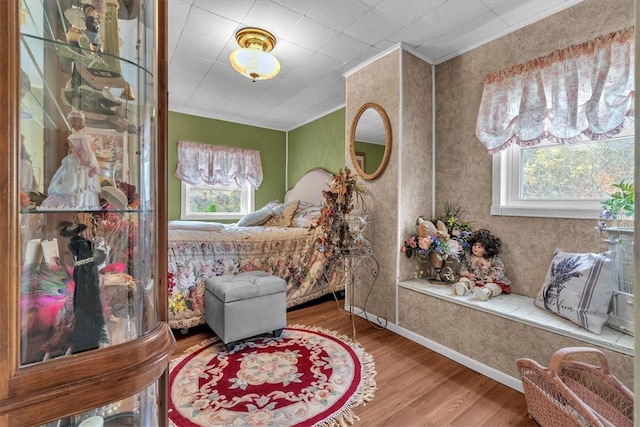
[309, 187]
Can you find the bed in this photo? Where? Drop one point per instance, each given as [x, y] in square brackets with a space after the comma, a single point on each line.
[198, 251]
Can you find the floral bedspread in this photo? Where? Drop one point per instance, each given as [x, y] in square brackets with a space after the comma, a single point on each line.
[287, 252]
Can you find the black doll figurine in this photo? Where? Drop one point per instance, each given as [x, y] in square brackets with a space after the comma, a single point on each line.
[89, 331]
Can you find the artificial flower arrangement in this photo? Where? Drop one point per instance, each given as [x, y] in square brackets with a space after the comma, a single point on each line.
[443, 238]
[618, 207]
[344, 195]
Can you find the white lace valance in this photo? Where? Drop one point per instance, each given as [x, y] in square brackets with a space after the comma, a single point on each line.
[216, 165]
[582, 92]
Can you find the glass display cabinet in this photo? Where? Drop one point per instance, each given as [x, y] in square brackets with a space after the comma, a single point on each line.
[83, 306]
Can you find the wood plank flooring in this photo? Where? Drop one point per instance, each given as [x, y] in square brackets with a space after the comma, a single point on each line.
[416, 386]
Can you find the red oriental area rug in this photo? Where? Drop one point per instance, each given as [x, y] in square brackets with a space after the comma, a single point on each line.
[307, 377]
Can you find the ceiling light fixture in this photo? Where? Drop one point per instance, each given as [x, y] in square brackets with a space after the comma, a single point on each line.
[253, 59]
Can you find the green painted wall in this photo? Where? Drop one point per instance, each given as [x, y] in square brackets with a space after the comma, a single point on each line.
[317, 144]
[271, 144]
[373, 155]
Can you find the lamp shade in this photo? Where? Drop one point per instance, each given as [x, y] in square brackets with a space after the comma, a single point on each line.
[253, 59]
[255, 63]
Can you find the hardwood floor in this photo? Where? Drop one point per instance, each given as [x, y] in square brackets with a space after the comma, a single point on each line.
[416, 386]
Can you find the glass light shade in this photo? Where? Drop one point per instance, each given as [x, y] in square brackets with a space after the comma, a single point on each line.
[255, 64]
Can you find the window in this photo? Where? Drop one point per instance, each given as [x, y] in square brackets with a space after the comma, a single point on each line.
[560, 180]
[216, 202]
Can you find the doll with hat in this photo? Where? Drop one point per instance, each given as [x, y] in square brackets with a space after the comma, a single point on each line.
[75, 184]
[89, 330]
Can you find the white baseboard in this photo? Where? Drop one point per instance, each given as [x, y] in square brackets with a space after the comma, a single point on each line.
[488, 371]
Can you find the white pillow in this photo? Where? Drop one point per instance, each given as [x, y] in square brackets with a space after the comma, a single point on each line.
[195, 225]
[258, 217]
[579, 287]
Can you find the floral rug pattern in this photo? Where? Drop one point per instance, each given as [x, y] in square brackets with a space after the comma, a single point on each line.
[306, 377]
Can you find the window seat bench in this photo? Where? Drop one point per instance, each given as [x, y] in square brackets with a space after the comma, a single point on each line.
[498, 331]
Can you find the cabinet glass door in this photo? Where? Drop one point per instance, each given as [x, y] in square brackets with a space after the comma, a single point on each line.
[87, 192]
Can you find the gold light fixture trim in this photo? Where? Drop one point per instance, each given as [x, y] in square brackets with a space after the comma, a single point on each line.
[253, 59]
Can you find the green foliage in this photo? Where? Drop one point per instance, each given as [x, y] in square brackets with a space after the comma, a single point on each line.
[621, 201]
[580, 171]
[211, 208]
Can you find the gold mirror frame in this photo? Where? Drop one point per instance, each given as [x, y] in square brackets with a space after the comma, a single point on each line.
[387, 145]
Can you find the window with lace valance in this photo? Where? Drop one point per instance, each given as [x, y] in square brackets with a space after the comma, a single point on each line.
[560, 128]
[218, 165]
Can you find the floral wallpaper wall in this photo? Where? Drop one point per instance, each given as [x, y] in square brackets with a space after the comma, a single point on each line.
[463, 167]
[463, 177]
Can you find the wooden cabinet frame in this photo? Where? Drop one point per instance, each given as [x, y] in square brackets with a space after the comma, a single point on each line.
[45, 391]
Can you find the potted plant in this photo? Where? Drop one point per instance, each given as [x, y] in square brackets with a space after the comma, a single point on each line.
[618, 210]
[616, 226]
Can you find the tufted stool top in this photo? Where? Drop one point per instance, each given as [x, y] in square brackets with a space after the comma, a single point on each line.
[251, 284]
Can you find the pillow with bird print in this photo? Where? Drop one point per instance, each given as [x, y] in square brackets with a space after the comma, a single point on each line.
[579, 287]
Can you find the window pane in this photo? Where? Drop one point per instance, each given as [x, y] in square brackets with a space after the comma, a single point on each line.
[583, 171]
[213, 200]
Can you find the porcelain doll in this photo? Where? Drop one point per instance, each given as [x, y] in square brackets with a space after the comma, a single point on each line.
[483, 272]
[89, 331]
[92, 22]
[75, 184]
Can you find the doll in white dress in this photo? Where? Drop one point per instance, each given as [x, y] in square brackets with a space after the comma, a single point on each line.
[75, 184]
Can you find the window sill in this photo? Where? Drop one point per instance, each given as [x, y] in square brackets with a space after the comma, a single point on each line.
[519, 308]
[591, 214]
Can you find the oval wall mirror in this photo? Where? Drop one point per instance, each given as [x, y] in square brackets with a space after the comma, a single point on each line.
[370, 141]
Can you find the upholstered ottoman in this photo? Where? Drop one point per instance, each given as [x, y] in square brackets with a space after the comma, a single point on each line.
[245, 305]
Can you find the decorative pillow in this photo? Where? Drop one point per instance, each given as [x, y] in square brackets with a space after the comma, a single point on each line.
[258, 217]
[579, 287]
[307, 215]
[283, 215]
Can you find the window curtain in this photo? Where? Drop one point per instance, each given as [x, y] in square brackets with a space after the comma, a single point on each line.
[582, 92]
[216, 165]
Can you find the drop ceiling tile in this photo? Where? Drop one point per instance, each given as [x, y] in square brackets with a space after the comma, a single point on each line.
[302, 7]
[340, 18]
[321, 63]
[290, 53]
[477, 32]
[178, 11]
[184, 75]
[195, 63]
[193, 44]
[529, 12]
[280, 92]
[272, 17]
[343, 47]
[373, 27]
[448, 18]
[182, 89]
[209, 25]
[234, 10]
[309, 34]
[406, 12]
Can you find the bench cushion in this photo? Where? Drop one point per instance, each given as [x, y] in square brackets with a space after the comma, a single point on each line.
[251, 284]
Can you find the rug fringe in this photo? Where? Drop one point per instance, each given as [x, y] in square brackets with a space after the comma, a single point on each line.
[365, 393]
[344, 417]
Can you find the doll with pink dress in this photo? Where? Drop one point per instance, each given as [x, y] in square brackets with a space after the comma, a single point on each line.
[75, 184]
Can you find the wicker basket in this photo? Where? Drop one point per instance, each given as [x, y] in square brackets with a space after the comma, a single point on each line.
[575, 393]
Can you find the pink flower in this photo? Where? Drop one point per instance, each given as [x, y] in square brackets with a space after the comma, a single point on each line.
[411, 242]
